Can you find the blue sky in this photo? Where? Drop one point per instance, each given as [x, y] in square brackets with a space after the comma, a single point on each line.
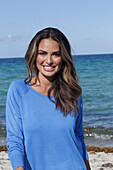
[88, 24]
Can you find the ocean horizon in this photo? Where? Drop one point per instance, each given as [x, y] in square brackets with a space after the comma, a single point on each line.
[74, 55]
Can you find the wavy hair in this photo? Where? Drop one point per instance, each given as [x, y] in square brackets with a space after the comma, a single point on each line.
[66, 90]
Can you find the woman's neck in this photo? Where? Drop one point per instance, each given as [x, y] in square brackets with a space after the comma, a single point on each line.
[42, 85]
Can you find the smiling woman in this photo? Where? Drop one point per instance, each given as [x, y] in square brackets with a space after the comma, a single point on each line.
[44, 114]
[62, 84]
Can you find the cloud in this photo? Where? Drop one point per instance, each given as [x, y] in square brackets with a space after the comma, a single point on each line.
[11, 38]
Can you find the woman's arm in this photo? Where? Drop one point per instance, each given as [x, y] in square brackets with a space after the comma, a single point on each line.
[87, 165]
[20, 168]
[80, 133]
[15, 137]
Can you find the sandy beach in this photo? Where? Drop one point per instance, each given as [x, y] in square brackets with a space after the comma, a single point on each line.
[98, 160]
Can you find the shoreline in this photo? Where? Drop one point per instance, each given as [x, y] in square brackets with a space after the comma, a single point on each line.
[91, 139]
[92, 149]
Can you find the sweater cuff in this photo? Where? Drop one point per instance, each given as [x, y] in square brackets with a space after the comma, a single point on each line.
[85, 153]
[17, 159]
[86, 157]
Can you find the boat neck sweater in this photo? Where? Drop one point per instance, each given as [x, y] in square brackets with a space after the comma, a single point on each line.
[39, 137]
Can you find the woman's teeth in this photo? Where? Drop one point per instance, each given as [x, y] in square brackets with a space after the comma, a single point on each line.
[48, 67]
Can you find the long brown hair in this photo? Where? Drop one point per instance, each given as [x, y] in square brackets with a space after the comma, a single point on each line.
[65, 86]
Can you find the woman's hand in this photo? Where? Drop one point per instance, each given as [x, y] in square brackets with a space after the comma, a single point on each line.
[87, 165]
[20, 168]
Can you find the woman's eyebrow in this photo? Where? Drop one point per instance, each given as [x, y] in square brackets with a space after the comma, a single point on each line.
[56, 52]
[42, 50]
[52, 52]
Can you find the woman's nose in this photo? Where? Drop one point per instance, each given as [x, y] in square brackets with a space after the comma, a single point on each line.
[49, 59]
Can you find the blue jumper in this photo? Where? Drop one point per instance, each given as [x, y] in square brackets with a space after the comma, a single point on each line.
[39, 137]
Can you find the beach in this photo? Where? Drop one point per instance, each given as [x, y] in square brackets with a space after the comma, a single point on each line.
[99, 158]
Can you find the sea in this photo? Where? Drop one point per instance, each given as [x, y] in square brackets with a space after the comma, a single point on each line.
[95, 74]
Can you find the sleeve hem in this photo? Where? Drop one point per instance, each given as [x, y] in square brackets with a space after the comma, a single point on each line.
[86, 158]
[17, 159]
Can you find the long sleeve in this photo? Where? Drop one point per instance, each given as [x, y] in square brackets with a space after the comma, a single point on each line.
[14, 128]
[80, 130]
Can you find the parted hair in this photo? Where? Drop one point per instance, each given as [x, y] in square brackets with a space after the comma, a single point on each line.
[66, 90]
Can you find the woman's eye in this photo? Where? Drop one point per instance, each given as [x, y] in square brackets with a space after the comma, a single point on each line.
[57, 55]
[41, 53]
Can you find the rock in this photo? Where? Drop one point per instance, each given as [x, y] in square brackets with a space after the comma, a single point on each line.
[107, 165]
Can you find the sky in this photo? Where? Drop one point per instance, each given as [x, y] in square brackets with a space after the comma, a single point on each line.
[88, 24]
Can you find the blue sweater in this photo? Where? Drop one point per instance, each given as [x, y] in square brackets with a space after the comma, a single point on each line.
[39, 137]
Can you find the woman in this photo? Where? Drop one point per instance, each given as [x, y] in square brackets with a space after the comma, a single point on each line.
[44, 117]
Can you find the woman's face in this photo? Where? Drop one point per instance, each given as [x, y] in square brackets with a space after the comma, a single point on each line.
[48, 60]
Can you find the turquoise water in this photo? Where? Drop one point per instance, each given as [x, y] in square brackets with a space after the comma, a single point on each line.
[96, 79]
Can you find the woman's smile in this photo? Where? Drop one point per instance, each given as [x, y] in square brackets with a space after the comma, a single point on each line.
[49, 68]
